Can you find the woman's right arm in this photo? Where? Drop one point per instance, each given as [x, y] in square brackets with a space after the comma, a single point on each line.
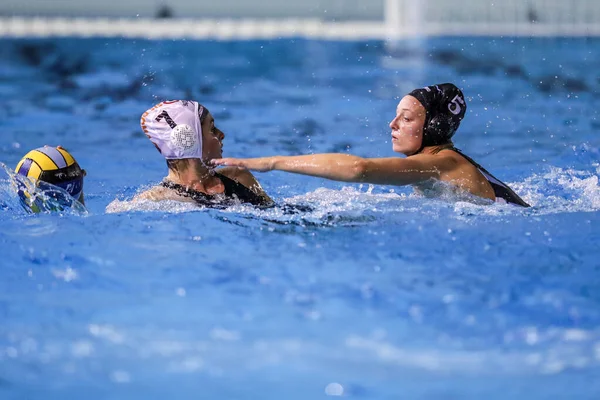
[348, 168]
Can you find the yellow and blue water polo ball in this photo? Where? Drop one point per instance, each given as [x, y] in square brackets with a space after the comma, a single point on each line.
[55, 166]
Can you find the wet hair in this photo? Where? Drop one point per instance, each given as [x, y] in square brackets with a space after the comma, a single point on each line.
[178, 165]
[445, 107]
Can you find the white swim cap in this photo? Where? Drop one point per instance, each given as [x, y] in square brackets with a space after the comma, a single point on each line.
[175, 128]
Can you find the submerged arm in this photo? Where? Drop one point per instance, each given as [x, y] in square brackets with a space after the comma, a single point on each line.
[348, 168]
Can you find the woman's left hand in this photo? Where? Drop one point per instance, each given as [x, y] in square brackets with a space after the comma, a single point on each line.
[263, 164]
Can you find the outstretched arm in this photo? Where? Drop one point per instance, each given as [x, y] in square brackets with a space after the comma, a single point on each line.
[348, 168]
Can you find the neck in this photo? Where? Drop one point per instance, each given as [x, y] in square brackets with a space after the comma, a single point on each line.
[196, 176]
[436, 149]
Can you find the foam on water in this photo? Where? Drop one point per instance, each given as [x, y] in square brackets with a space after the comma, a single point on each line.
[560, 190]
[166, 206]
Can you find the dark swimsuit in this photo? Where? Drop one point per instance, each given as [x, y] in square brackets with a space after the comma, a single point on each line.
[235, 193]
[503, 193]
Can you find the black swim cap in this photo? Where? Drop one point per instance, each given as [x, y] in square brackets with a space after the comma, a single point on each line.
[446, 106]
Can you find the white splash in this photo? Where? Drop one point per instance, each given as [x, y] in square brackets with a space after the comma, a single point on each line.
[561, 190]
[556, 191]
[166, 206]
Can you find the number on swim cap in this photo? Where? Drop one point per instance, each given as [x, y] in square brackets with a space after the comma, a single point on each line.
[455, 105]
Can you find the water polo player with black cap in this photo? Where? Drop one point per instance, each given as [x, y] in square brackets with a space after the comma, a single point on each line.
[184, 132]
[425, 121]
[48, 168]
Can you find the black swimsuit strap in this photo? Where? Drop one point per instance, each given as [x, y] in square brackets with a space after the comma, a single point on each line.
[242, 193]
[233, 191]
[501, 189]
[181, 190]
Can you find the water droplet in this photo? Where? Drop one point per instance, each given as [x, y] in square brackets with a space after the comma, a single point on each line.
[334, 389]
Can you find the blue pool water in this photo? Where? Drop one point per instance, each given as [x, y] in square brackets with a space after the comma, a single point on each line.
[374, 294]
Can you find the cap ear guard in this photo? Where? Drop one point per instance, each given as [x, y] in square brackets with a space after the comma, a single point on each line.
[74, 187]
[439, 130]
[184, 139]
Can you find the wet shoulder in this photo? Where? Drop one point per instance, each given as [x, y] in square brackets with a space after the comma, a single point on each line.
[456, 160]
[467, 175]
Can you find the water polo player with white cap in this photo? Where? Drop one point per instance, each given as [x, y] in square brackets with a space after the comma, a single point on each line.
[184, 132]
[425, 121]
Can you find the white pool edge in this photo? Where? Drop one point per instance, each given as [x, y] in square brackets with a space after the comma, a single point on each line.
[250, 29]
